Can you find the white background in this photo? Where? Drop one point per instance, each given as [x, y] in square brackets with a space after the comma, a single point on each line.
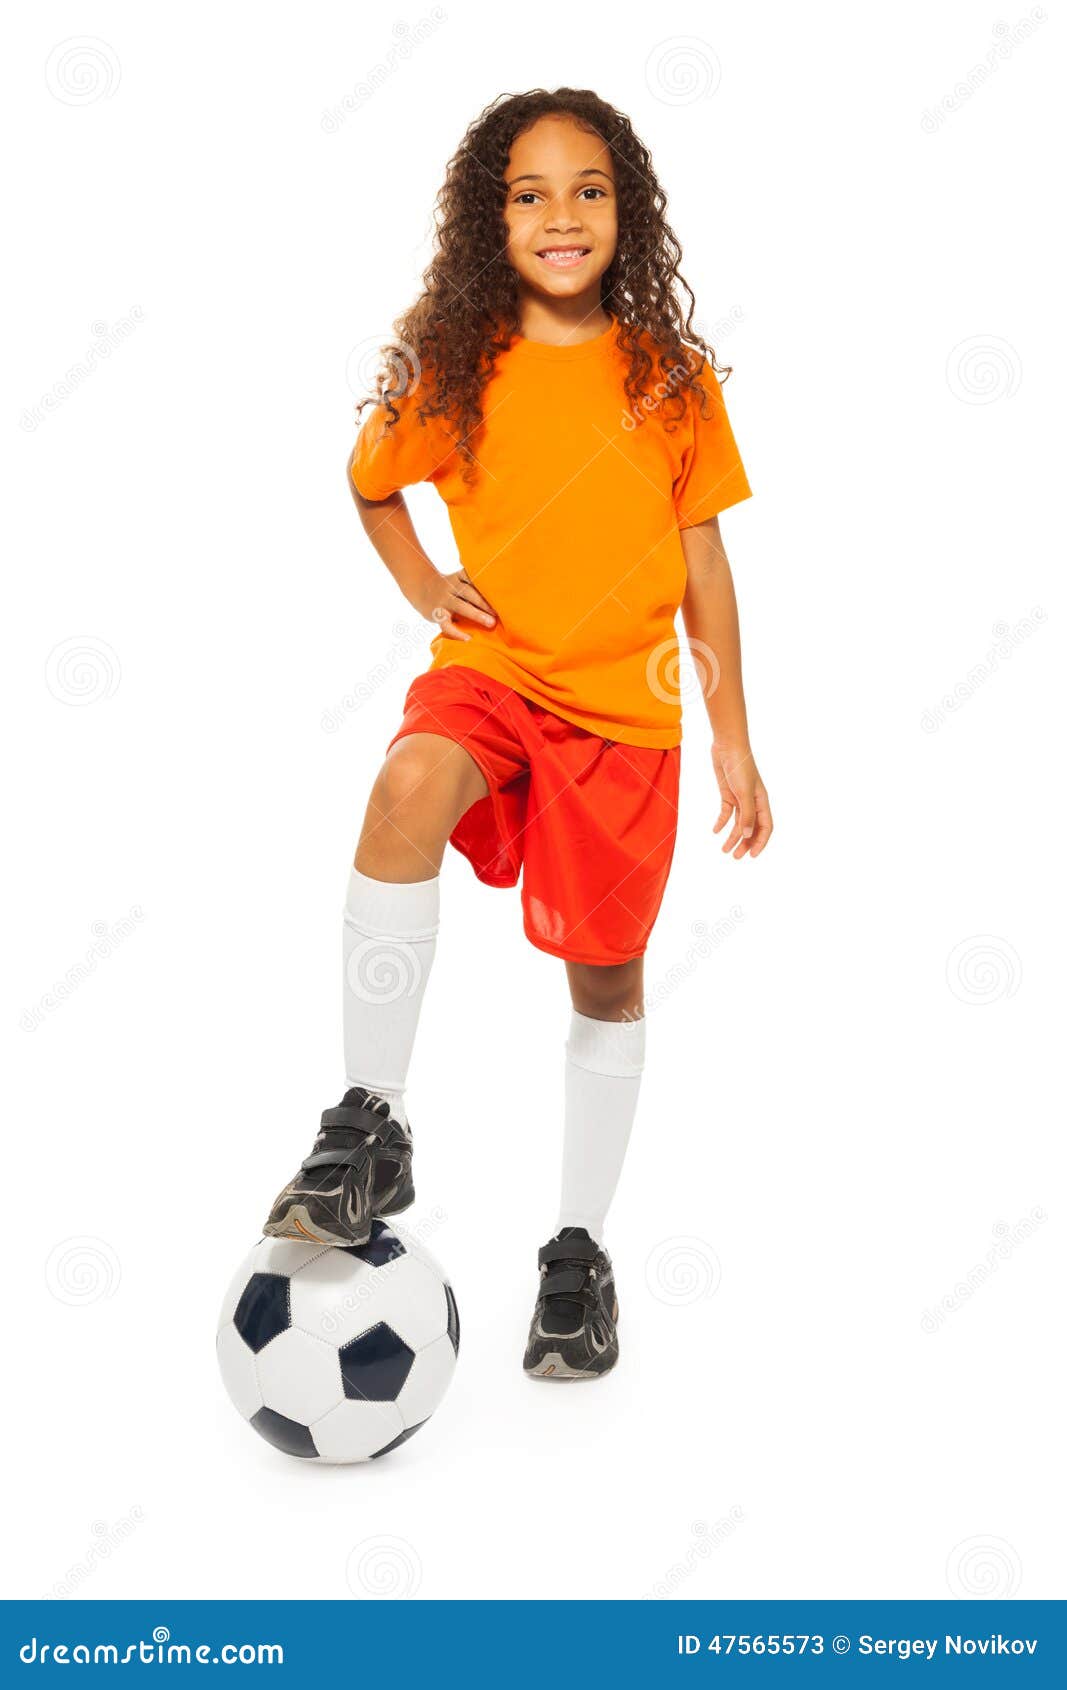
[845, 1098]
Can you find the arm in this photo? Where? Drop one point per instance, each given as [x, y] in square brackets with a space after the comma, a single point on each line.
[709, 611]
[388, 526]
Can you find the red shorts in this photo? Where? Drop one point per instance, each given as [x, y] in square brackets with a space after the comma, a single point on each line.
[590, 822]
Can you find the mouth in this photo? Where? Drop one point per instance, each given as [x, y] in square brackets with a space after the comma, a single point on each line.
[564, 257]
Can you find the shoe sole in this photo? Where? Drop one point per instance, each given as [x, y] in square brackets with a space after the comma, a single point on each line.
[554, 1368]
[298, 1224]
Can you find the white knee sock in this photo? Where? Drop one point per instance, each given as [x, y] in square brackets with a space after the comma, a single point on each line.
[603, 1078]
[390, 934]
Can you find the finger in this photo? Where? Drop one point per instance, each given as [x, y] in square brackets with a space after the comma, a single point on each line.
[753, 844]
[466, 607]
[448, 627]
[736, 836]
[724, 815]
[469, 591]
[764, 827]
[748, 815]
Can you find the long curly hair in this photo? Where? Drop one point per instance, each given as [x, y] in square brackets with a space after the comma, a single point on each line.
[468, 310]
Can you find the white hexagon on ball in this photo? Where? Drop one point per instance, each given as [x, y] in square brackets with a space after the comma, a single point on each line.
[333, 1297]
[299, 1376]
[411, 1299]
[356, 1431]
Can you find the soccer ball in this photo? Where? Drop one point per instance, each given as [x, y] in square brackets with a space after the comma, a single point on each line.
[334, 1353]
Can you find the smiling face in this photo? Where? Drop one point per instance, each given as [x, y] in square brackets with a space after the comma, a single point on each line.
[561, 215]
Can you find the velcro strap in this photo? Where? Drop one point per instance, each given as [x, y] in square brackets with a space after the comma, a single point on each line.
[564, 1282]
[335, 1158]
[353, 1119]
[567, 1249]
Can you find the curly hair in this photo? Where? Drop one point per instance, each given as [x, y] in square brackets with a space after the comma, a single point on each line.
[468, 310]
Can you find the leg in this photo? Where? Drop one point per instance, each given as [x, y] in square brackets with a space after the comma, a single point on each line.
[360, 1166]
[605, 1057]
[574, 1334]
[608, 994]
[598, 851]
[425, 785]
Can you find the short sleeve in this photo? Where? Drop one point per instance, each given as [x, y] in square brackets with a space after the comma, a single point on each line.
[712, 476]
[387, 458]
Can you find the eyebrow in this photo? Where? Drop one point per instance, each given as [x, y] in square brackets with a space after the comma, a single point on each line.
[532, 178]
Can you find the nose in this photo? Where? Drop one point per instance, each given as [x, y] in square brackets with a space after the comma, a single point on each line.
[560, 219]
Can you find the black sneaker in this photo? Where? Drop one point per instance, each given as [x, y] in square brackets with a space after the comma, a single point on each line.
[572, 1334]
[359, 1167]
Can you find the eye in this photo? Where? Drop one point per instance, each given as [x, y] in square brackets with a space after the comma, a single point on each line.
[528, 197]
[598, 193]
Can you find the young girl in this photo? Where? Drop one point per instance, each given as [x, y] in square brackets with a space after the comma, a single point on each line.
[569, 415]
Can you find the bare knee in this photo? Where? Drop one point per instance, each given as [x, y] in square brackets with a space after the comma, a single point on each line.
[409, 774]
[427, 771]
[607, 994]
[423, 787]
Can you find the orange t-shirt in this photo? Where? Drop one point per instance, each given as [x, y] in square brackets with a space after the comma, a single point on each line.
[571, 530]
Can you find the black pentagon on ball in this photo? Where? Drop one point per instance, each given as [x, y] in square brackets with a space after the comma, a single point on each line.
[375, 1365]
[453, 1317]
[401, 1438]
[287, 1435]
[263, 1310]
[382, 1246]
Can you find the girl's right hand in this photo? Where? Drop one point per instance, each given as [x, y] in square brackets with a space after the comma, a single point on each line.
[449, 596]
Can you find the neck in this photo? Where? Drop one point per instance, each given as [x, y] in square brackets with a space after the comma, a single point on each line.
[562, 322]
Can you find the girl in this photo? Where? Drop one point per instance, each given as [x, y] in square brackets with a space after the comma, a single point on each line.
[556, 394]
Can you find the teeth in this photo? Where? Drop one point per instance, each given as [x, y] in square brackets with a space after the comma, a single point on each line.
[564, 255]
